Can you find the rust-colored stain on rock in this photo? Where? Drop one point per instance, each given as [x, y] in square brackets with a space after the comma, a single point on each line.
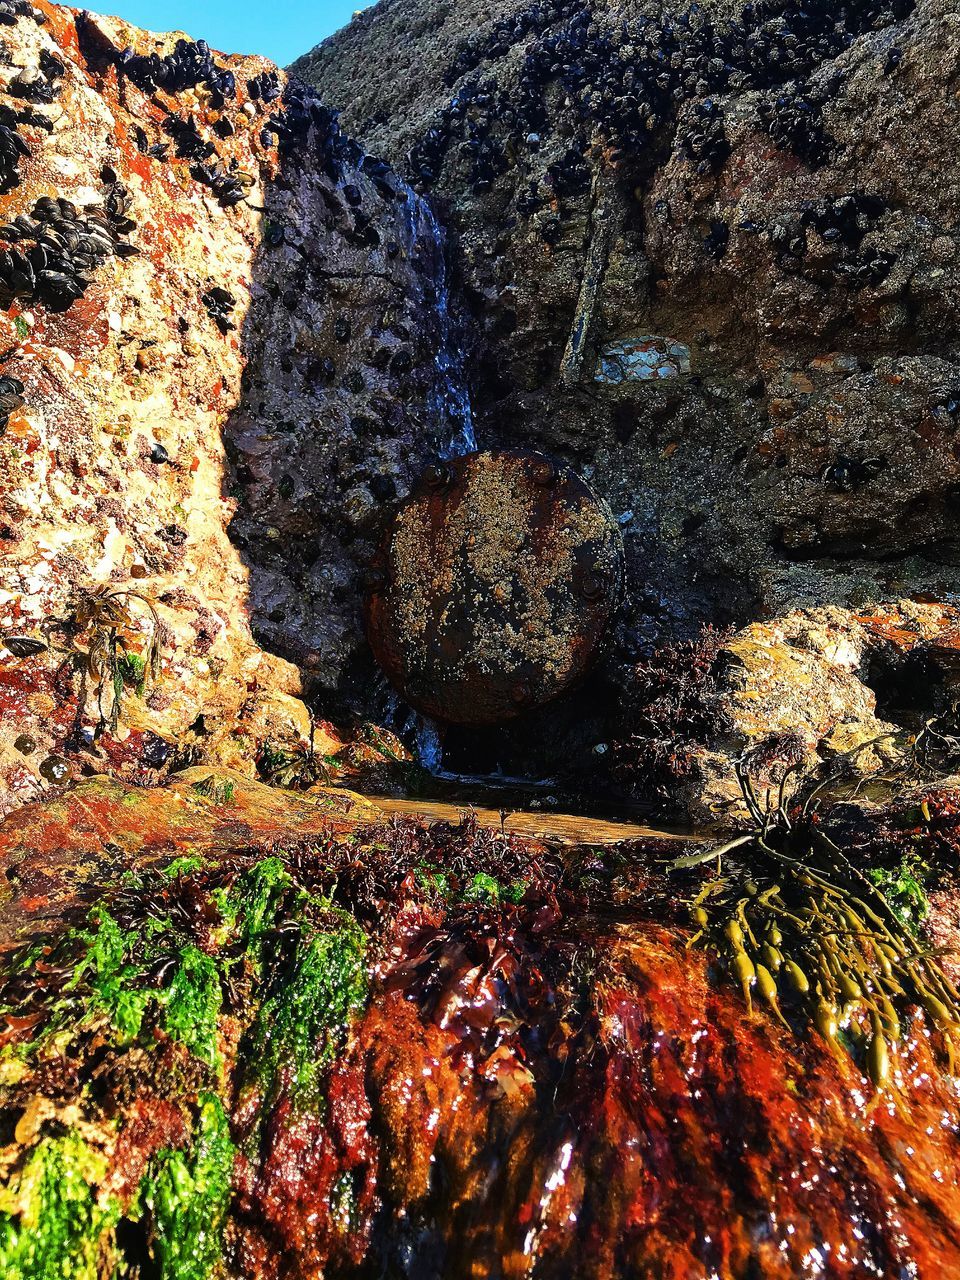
[494, 586]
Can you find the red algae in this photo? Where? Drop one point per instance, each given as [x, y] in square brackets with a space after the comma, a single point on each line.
[545, 1080]
[674, 1136]
[311, 1184]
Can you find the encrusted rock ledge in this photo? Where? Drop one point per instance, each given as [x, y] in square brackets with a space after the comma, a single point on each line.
[247, 1036]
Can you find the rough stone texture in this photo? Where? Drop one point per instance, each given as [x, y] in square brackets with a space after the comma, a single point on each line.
[227, 459]
[57, 853]
[809, 457]
[496, 586]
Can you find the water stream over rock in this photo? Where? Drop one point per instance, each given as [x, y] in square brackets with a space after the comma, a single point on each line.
[427, 1052]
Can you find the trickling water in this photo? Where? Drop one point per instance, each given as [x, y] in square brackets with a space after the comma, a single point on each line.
[411, 726]
[428, 744]
[449, 400]
[448, 403]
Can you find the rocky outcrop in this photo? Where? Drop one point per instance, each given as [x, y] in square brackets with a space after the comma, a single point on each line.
[264, 1040]
[224, 346]
[708, 255]
[846, 694]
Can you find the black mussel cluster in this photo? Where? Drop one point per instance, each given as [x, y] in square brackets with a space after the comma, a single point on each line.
[306, 121]
[189, 143]
[362, 233]
[191, 63]
[504, 35]
[382, 177]
[229, 188]
[220, 303]
[43, 85]
[11, 399]
[320, 372]
[845, 475]
[265, 87]
[156, 150]
[11, 10]
[622, 80]
[706, 140]
[304, 113]
[794, 120]
[945, 409]
[841, 226]
[13, 148]
[42, 89]
[571, 174]
[54, 252]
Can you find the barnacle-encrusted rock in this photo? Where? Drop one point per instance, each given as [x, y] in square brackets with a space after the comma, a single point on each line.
[196, 268]
[774, 189]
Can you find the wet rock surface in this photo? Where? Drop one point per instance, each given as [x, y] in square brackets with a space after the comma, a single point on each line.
[273, 1040]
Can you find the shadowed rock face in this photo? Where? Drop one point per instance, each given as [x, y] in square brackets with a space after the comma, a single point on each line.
[708, 256]
[233, 351]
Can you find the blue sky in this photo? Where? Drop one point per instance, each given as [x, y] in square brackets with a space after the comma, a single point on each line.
[279, 29]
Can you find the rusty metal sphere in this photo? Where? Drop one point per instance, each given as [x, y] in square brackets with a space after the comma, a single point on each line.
[493, 586]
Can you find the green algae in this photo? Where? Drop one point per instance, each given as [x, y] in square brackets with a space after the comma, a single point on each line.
[433, 881]
[184, 866]
[481, 887]
[53, 1226]
[903, 888]
[173, 953]
[487, 888]
[114, 979]
[301, 1025]
[192, 1003]
[252, 904]
[188, 1196]
[131, 669]
[310, 1000]
[305, 992]
[114, 971]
